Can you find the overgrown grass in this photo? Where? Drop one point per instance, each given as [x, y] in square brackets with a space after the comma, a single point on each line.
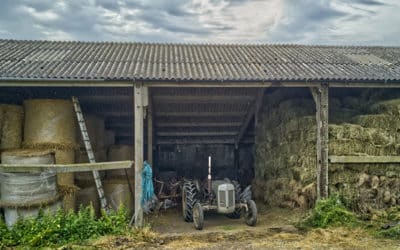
[391, 217]
[62, 228]
[391, 233]
[330, 212]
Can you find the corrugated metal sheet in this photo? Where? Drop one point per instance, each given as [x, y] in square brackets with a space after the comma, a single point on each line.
[128, 61]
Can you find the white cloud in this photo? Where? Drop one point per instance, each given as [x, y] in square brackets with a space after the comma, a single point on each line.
[44, 16]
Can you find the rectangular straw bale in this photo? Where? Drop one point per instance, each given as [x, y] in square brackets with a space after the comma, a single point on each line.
[342, 115]
[383, 121]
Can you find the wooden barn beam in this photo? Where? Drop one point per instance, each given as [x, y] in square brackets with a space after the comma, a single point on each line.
[201, 114]
[197, 124]
[320, 96]
[194, 133]
[253, 109]
[194, 141]
[138, 131]
[150, 128]
[202, 99]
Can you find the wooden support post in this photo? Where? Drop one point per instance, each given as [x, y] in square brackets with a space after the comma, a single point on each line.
[320, 95]
[150, 130]
[138, 127]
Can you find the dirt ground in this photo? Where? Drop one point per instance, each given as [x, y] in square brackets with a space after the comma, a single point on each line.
[274, 230]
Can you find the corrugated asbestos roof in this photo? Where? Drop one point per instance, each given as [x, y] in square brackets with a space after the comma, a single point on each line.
[185, 62]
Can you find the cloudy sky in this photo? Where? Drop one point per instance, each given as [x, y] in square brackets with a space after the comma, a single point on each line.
[357, 22]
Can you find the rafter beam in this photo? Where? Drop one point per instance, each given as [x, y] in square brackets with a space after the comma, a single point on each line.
[210, 133]
[197, 124]
[202, 99]
[196, 141]
[253, 109]
[202, 114]
[105, 99]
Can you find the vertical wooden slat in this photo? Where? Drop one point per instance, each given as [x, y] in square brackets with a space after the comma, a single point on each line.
[138, 120]
[150, 130]
[320, 96]
[324, 140]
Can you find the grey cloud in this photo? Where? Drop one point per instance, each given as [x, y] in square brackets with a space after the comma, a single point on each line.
[306, 21]
[367, 2]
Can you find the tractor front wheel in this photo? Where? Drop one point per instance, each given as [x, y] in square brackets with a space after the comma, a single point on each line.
[251, 213]
[198, 216]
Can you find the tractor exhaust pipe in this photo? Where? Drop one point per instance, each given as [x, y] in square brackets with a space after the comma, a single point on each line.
[209, 175]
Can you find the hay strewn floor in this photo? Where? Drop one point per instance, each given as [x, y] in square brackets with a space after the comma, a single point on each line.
[274, 231]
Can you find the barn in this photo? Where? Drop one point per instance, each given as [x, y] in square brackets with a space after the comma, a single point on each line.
[297, 122]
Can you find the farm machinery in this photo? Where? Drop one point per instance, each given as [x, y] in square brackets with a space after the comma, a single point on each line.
[221, 196]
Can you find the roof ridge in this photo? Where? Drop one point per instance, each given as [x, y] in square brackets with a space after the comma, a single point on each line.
[206, 44]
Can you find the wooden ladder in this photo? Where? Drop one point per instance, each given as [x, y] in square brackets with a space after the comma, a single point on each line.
[89, 151]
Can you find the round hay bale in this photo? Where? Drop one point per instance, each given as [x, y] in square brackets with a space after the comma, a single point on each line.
[85, 179]
[120, 153]
[28, 156]
[66, 181]
[88, 197]
[23, 194]
[23, 189]
[81, 156]
[11, 128]
[13, 214]
[101, 155]
[96, 130]
[110, 138]
[65, 156]
[49, 123]
[117, 193]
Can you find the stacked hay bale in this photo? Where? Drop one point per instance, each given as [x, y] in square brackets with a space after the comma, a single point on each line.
[24, 194]
[50, 124]
[285, 152]
[96, 130]
[368, 187]
[285, 166]
[116, 188]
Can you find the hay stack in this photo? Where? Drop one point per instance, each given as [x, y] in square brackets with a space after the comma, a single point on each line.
[11, 119]
[120, 153]
[118, 193]
[50, 124]
[88, 197]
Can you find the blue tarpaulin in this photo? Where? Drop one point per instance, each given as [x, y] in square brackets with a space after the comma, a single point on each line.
[148, 196]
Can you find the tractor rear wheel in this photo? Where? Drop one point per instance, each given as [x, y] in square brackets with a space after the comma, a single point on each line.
[251, 213]
[188, 200]
[198, 216]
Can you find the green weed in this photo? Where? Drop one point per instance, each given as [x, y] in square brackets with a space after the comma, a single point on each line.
[330, 212]
[62, 228]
